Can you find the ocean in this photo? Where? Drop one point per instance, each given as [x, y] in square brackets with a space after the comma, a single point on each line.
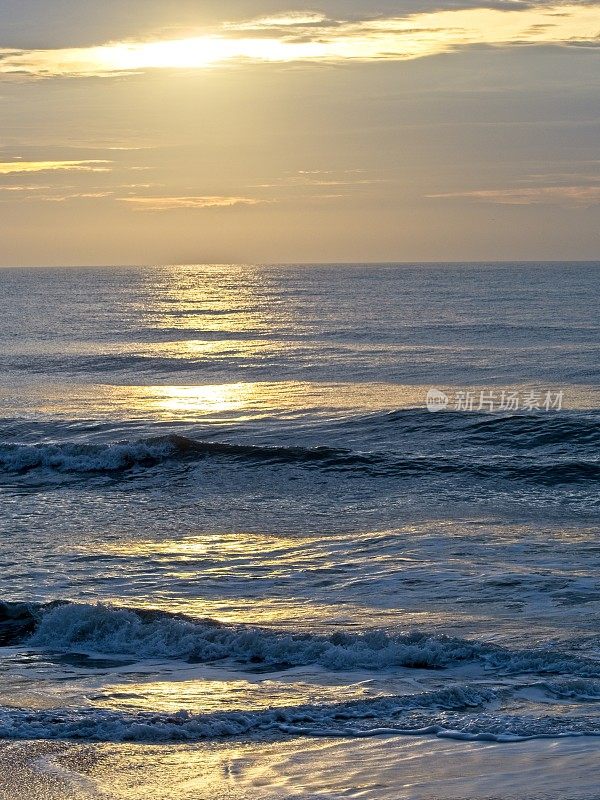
[228, 513]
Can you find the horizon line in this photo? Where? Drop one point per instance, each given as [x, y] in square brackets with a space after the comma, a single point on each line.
[266, 264]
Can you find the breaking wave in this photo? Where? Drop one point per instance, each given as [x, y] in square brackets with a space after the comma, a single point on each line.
[458, 713]
[156, 634]
[118, 457]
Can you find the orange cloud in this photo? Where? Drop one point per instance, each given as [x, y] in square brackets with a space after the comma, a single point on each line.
[174, 203]
[16, 167]
[583, 196]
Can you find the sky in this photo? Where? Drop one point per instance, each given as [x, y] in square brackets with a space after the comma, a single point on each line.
[245, 131]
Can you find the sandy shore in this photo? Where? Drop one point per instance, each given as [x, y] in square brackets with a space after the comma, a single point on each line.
[397, 768]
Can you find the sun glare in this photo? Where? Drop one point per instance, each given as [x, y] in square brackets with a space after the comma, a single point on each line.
[291, 38]
[199, 52]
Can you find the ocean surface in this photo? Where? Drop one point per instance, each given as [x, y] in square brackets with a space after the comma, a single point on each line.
[227, 512]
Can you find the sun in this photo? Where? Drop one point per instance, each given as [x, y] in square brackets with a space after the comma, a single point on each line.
[182, 54]
[198, 52]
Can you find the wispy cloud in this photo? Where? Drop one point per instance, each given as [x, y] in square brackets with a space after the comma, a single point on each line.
[310, 37]
[578, 196]
[62, 198]
[45, 194]
[26, 188]
[311, 178]
[288, 20]
[17, 167]
[175, 203]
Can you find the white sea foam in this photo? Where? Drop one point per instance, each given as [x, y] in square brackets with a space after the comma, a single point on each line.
[582, 689]
[118, 630]
[72, 457]
[158, 635]
[457, 713]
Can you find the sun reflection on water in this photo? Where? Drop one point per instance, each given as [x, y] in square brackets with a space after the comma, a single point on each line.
[177, 400]
[239, 302]
[233, 402]
[207, 693]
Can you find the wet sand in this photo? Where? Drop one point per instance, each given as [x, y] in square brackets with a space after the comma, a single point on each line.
[398, 768]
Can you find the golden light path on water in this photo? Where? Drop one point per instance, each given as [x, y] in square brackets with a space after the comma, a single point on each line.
[279, 397]
[196, 301]
[211, 694]
[238, 402]
[240, 557]
[320, 568]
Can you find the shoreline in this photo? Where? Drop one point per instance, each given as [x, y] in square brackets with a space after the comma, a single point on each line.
[395, 767]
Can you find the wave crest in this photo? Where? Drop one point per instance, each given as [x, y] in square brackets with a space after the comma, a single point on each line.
[118, 457]
[157, 634]
[447, 713]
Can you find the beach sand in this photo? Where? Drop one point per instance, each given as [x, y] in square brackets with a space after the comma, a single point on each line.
[398, 768]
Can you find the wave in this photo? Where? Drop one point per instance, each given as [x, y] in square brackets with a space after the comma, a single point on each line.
[458, 713]
[119, 456]
[113, 457]
[520, 430]
[74, 457]
[580, 689]
[526, 431]
[66, 626]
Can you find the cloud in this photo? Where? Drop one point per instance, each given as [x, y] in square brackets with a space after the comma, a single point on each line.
[26, 188]
[288, 20]
[17, 167]
[311, 37]
[61, 198]
[579, 196]
[45, 194]
[175, 203]
[311, 178]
